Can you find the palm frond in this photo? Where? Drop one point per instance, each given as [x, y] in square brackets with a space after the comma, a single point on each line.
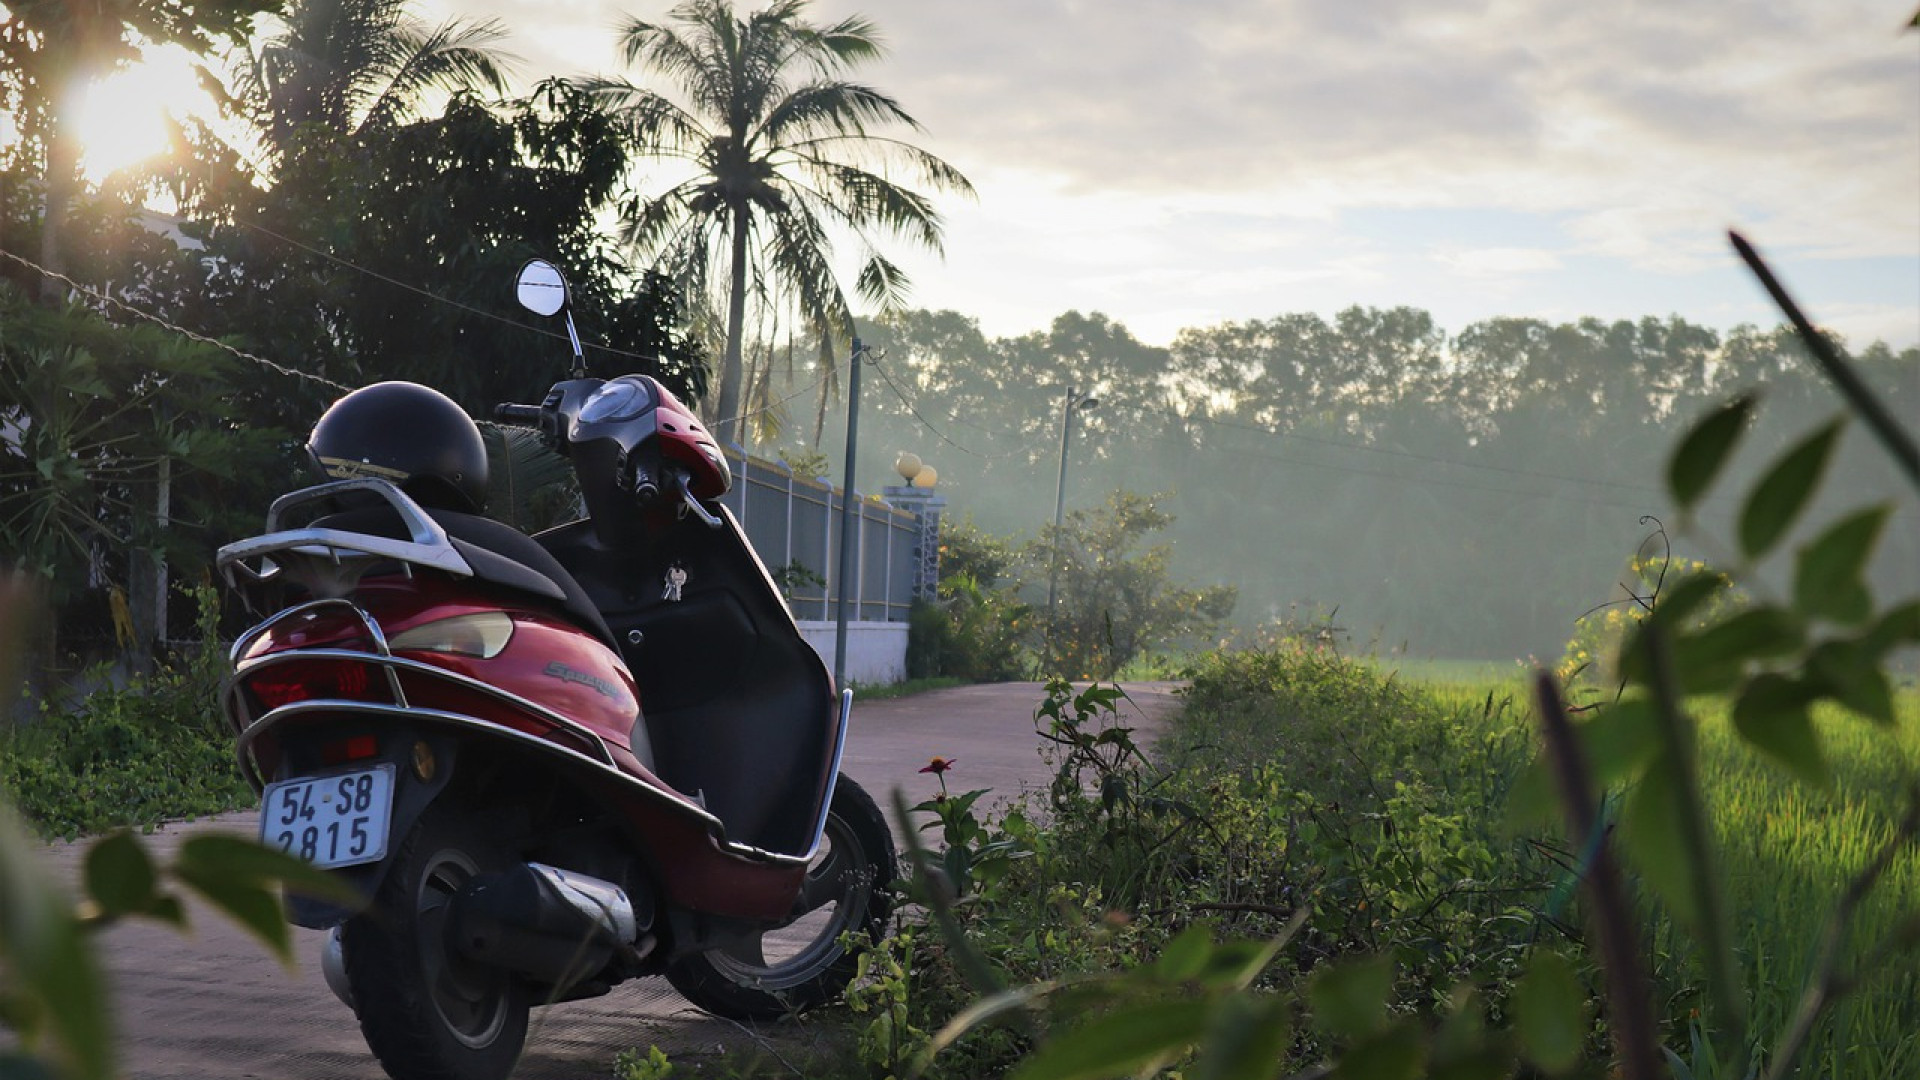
[524, 477]
[455, 55]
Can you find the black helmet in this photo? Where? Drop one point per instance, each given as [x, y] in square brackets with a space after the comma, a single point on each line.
[409, 434]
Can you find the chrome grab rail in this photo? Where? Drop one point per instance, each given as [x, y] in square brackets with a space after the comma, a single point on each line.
[329, 562]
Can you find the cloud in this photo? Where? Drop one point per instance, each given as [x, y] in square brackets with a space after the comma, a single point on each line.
[1159, 152]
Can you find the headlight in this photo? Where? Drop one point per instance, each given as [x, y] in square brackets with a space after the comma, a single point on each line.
[483, 634]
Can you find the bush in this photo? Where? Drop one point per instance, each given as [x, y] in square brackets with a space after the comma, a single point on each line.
[150, 751]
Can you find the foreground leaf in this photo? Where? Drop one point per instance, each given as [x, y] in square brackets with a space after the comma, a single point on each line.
[1350, 998]
[1705, 449]
[1650, 831]
[1829, 573]
[1777, 500]
[120, 876]
[1550, 1012]
[1774, 714]
[1119, 1042]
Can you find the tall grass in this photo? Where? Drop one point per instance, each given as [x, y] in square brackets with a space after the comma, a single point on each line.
[1786, 853]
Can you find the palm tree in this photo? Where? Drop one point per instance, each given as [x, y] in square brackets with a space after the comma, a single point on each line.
[782, 160]
[344, 68]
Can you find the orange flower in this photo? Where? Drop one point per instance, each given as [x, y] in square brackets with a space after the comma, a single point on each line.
[938, 765]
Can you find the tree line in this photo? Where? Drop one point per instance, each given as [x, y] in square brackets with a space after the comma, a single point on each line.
[1460, 494]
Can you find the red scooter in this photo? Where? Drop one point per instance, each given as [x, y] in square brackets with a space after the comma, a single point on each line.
[548, 764]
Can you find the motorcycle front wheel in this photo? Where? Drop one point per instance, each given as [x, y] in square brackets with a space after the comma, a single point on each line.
[804, 961]
[427, 1012]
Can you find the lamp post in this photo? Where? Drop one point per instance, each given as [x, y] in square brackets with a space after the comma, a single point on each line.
[1078, 398]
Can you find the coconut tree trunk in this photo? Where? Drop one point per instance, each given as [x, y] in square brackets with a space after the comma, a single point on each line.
[726, 424]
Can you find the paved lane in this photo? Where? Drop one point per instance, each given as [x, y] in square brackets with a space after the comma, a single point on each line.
[215, 1006]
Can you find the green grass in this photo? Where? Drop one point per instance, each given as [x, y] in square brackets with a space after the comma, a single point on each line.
[1786, 852]
[876, 692]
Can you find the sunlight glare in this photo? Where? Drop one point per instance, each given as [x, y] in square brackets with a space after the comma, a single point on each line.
[121, 120]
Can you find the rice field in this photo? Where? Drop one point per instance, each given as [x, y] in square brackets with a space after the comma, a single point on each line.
[1787, 853]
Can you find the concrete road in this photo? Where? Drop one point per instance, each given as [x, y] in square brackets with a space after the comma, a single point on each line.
[214, 1006]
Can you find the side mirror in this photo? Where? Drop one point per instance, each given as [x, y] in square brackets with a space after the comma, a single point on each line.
[541, 288]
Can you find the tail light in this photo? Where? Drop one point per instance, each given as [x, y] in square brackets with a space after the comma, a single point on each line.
[309, 680]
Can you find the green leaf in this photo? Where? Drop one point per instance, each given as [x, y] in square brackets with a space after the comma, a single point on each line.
[1550, 1012]
[241, 878]
[1533, 800]
[120, 875]
[242, 859]
[1900, 626]
[1713, 660]
[1849, 672]
[22, 1067]
[1827, 580]
[1777, 500]
[1700, 455]
[48, 961]
[1350, 998]
[1247, 1040]
[1773, 715]
[1119, 1042]
[1650, 835]
[256, 907]
[1689, 594]
[1620, 740]
[1394, 1054]
[1185, 955]
[989, 1009]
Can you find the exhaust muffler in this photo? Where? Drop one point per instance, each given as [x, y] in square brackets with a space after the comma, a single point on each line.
[552, 925]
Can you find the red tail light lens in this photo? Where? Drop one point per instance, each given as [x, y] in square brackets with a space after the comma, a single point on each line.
[310, 680]
[341, 751]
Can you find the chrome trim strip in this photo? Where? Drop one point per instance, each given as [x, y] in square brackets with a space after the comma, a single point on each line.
[673, 800]
[394, 664]
[833, 773]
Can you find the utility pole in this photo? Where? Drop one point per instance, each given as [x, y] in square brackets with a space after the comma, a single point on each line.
[1078, 398]
[848, 536]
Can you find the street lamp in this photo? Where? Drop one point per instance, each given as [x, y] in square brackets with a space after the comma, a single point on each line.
[1077, 398]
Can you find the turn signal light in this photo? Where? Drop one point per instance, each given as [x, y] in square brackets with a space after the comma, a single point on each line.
[483, 634]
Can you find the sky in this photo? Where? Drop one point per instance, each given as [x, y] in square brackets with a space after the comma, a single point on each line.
[1179, 164]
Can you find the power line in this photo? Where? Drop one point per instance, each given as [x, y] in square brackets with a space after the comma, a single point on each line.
[1421, 457]
[158, 321]
[437, 298]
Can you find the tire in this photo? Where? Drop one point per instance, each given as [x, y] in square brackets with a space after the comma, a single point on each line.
[802, 962]
[427, 1013]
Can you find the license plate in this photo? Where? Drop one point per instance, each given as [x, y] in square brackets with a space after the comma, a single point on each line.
[338, 820]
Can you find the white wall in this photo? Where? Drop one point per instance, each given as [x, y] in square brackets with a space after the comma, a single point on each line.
[876, 651]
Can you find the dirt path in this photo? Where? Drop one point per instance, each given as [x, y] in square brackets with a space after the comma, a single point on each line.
[215, 1006]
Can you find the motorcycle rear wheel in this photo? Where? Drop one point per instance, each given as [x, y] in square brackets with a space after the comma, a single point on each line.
[428, 1013]
[802, 962]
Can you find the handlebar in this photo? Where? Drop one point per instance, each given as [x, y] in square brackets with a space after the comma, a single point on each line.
[523, 415]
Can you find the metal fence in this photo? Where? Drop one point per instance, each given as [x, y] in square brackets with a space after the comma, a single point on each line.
[794, 523]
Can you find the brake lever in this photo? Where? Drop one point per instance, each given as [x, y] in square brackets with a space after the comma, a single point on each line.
[693, 504]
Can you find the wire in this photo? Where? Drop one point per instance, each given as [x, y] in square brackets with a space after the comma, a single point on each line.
[158, 321]
[1421, 457]
[770, 406]
[874, 360]
[437, 298]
